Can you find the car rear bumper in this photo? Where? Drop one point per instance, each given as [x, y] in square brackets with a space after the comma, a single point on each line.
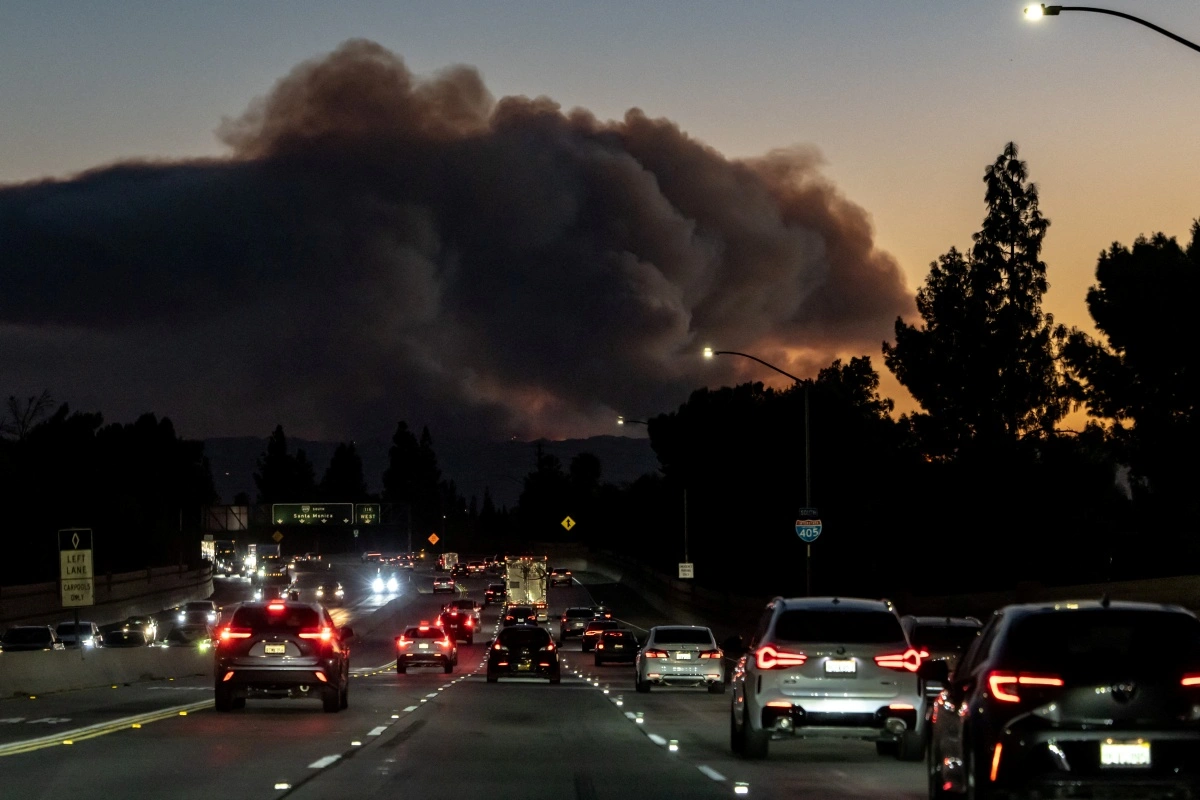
[870, 720]
[423, 659]
[276, 677]
[700, 672]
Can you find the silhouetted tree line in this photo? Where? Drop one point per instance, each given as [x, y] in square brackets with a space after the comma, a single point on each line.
[980, 489]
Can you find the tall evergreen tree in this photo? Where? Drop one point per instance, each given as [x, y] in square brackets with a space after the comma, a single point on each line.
[983, 366]
[343, 480]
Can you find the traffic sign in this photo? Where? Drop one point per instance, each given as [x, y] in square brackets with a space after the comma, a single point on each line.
[686, 570]
[808, 530]
[76, 568]
[277, 536]
[312, 513]
[568, 523]
[366, 513]
[434, 538]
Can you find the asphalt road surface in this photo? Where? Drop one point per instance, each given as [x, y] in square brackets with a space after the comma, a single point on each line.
[425, 734]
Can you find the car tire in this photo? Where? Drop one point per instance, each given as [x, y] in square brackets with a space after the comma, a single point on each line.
[737, 738]
[755, 744]
[448, 667]
[223, 699]
[344, 696]
[718, 687]
[470, 640]
[492, 678]
[401, 668]
[911, 746]
[331, 700]
[887, 748]
[556, 678]
[642, 687]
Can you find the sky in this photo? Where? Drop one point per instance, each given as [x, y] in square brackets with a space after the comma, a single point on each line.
[880, 116]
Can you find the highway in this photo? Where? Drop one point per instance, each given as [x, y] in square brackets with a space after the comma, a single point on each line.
[424, 734]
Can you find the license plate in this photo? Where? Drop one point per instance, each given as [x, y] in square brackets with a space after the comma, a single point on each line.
[275, 649]
[423, 646]
[1125, 754]
[618, 647]
[524, 667]
[840, 666]
[683, 656]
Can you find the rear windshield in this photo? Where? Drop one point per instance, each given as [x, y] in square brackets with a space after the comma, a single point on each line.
[600, 625]
[682, 636]
[496, 587]
[26, 635]
[944, 637]
[524, 637]
[838, 627]
[431, 632]
[69, 629]
[1113, 639]
[291, 617]
[585, 613]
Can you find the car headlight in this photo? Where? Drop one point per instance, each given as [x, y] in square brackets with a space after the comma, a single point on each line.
[393, 584]
[182, 617]
[340, 593]
[262, 572]
[212, 617]
[320, 591]
[377, 585]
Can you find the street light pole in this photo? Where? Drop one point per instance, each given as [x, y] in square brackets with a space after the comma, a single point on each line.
[1043, 10]
[709, 353]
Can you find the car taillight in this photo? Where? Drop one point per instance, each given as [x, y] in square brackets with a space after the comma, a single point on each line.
[445, 642]
[1004, 685]
[770, 657]
[470, 622]
[324, 634]
[710, 654]
[1191, 679]
[232, 633]
[655, 654]
[500, 647]
[910, 660]
[276, 607]
[591, 633]
[401, 642]
[549, 648]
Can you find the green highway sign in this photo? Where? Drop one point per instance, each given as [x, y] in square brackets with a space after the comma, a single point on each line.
[312, 513]
[366, 513]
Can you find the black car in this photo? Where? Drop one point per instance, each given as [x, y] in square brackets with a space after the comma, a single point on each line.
[591, 633]
[519, 615]
[282, 649]
[426, 645]
[30, 637]
[944, 638]
[125, 637]
[523, 651]
[495, 594]
[560, 575]
[459, 624]
[616, 646]
[1079, 699]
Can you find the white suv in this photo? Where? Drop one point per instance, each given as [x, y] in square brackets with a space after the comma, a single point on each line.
[829, 667]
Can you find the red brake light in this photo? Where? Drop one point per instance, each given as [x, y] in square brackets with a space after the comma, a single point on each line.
[230, 633]
[445, 642]
[768, 657]
[498, 646]
[1003, 685]
[276, 606]
[910, 660]
[655, 654]
[470, 622]
[711, 654]
[549, 648]
[1191, 679]
[402, 642]
[324, 634]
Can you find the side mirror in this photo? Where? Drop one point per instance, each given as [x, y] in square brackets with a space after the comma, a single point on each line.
[347, 632]
[938, 670]
[734, 647]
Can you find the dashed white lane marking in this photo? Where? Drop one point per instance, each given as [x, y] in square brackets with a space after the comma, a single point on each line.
[658, 740]
[322, 763]
[410, 708]
[710, 772]
[434, 694]
[377, 731]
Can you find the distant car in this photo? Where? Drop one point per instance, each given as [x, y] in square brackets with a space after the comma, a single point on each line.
[602, 612]
[146, 624]
[560, 575]
[519, 615]
[386, 580]
[495, 594]
[85, 634]
[125, 637]
[459, 571]
[316, 587]
[591, 633]
[189, 635]
[476, 567]
[372, 556]
[616, 646]
[466, 606]
[523, 651]
[944, 638]
[458, 624]
[680, 655]
[443, 583]
[197, 612]
[426, 645]
[1072, 699]
[21, 638]
[573, 621]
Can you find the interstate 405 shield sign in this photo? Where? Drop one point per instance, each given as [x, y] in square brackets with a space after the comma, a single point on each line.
[808, 526]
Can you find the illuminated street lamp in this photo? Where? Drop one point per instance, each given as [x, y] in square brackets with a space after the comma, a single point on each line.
[1034, 13]
[710, 353]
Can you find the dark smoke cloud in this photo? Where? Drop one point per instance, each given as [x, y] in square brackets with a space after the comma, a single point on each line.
[378, 246]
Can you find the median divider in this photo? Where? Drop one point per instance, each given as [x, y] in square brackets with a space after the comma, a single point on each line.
[61, 670]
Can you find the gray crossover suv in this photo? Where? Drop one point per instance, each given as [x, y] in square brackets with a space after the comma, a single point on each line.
[829, 667]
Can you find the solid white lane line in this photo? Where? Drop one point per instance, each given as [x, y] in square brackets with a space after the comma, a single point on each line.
[710, 772]
[377, 731]
[322, 763]
[411, 708]
[658, 740]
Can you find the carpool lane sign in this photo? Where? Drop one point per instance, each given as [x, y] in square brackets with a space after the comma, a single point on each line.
[75, 562]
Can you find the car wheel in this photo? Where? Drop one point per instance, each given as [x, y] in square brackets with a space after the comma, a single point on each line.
[492, 678]
[556, 678]
[448, 667]
[911, 746]
[887, 748]
[717, 687]
[239, 703]
[643, 687]
[344, 700]
[755, 744]
[331, 700]
[223, 698]
[470, 640]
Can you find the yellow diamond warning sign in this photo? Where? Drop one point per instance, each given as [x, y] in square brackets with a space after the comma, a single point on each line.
[568, 523]
[433, 538]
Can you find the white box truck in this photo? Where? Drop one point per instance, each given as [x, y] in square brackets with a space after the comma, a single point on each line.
[525, 578]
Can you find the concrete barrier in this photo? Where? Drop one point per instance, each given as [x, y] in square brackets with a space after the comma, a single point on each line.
[61, 670]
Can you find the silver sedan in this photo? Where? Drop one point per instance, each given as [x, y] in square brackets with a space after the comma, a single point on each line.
[680, 655]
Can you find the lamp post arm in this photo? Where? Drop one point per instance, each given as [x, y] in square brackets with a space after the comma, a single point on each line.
[759, 360]
[1138, 20]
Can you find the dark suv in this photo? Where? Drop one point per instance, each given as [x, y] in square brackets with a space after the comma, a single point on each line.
[282, 649]
[458, 624]
[573, 621]
[523, 651]
[1073, 699]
